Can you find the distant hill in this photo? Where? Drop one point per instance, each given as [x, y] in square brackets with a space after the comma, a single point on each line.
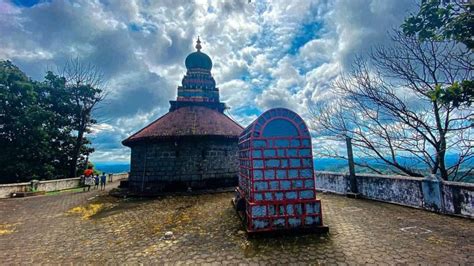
[320, 164]
[330, 164]
[340, 165]
[112, 167]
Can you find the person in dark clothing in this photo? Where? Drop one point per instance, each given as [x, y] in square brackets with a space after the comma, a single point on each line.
[103, 179]
[96, 183]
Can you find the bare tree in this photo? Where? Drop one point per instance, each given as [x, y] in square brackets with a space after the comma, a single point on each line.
[386, 105]
[88, 89]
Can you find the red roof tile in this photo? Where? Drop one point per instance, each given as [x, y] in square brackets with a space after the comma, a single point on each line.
[188, 121]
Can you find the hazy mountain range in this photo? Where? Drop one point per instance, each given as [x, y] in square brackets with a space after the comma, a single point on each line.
[320, 164]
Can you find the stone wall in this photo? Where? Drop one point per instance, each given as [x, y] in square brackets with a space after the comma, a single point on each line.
[395, 189]
[7, 189]
[458, 198]
[427, 193]
[59, 184]
[177, 165]
[332, 182]
[117, 177]
[49, 185]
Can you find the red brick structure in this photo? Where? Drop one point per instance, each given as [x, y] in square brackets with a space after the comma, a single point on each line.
[276, 180]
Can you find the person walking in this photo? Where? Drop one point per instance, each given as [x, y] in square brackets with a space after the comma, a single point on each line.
[96, 183]
[89, 182]
[103, 179]
[83, 181]
[88, 178]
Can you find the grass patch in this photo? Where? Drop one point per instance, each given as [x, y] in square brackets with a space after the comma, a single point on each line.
[6, 229]
[86, 212]
[57, 192]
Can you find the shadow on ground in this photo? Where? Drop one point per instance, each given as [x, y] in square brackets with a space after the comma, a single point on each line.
[84, 227]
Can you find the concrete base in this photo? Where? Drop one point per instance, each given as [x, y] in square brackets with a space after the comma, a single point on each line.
[125, 192]
[353, 195]
[322, 229]
[27, 194]
[123, 184]
[162, 187]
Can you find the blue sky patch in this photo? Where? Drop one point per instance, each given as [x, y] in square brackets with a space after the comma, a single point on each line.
[28, 3]
[134, 27]
[306, 33]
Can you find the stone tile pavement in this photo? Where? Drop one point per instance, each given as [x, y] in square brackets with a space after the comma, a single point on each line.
[78, 227]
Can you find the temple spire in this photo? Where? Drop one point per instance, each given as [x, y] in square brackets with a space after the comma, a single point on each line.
[198, 45]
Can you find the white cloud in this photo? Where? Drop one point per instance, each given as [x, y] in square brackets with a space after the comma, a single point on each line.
[102, 127]
[265, 53]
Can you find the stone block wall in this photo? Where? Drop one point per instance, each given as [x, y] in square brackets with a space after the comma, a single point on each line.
[7, 189]
[333, 182]
[59, 184]
[49, 185]
[458, 198]
[182, 164]
[427, 193]
[46, 185]
[396, 189]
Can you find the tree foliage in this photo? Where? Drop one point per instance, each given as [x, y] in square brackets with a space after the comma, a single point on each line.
[39, 125]
[438, 20]
[446, 21]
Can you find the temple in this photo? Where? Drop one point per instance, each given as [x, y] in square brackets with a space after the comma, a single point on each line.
[194, 145]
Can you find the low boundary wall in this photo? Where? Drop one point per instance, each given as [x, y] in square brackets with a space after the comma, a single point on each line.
[52, 185]
[428, 193]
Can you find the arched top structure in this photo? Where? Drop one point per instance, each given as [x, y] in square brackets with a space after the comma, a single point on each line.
[277, 122]
[276, 177]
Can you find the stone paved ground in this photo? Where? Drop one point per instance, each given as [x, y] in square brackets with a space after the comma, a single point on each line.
[79, 227]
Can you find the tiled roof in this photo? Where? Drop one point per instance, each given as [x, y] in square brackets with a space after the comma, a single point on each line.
[188, 121]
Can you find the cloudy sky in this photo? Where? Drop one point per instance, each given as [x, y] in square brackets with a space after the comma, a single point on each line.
[266, 53]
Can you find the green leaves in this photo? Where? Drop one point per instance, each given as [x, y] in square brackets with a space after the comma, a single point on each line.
[458, 94]
[445, 22]
[438, 21]
[37, 125]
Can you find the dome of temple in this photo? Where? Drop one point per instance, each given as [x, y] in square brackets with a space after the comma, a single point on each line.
[198, 59]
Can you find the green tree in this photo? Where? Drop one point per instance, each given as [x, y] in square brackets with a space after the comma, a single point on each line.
[24, 134]
[39, 125]
[442, 20]
[446, 21]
